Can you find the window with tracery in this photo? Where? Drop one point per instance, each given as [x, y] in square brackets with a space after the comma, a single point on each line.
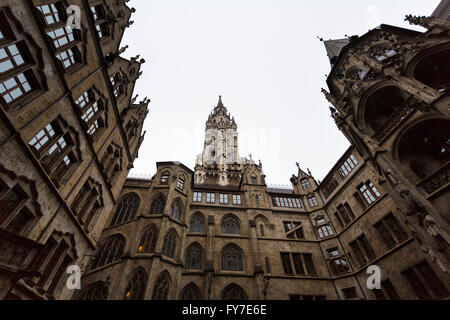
[232, 258]
[92, 112]
[88, 203]
[17, 79]
[110, 251]
[56, 150]
[170, 244]
[95, 291]
[194, 257]
[112, 162]
[52, 261]
[231, 225]
[233, 292]
[101, 24]
[136, 286]
[197, 223]
[158, 205]
[191, 292]
[127, 209]
[67, 42]
[176, 209]
[148, 240]
[17, 210]
[162, 285]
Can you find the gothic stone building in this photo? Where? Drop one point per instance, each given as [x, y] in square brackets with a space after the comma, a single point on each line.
[218, 231]
[69, 134]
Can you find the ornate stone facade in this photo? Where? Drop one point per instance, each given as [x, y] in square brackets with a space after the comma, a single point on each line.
[67, 141]
[218, 232]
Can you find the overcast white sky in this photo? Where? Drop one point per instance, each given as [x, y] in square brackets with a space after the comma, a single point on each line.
[263, 57]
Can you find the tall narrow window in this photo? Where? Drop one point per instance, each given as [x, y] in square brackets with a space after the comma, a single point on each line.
[116, 84]
[127, 209]
[348, 166]
[101, 25]
[369, 192]
[169, 244]
[15, 208]
[165, 178]
[232, 258]
[197, 197]
[148, 240]
[158, 205]
[197, 223]
[261, 230]
[88, 203]
[136, 286]
[162, 286]
[92, 111]
[57, 254]
[223, 198]
[237, 199]
[176, 209]
[180, 183]
[55, 150]
[112, 162]
[313, 202]
[194, 257]
[17, 79]
[210, 197]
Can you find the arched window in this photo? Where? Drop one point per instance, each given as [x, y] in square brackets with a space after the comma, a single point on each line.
[148, 240]
[136, 286]
[257, 200]
[194, 257]
[267, 265]
[232, 258]
[162, 285]
[191, 292]
[126, 210]
[170, 243]
[110, 251]
[305, 184]
[434, 70]
[158, 205]
[233, 292]
[261, 229]
[197, 223]
[230, 225]
[384, 108]
[95, 291]
[425, 148]
[176, 209]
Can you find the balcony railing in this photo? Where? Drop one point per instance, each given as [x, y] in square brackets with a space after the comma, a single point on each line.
[437, 180]
[395, 119]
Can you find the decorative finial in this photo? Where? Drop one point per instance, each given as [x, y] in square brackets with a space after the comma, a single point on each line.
[298, 165]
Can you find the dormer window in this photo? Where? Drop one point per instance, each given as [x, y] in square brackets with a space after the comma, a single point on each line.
[306, 185]
[254, 180]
